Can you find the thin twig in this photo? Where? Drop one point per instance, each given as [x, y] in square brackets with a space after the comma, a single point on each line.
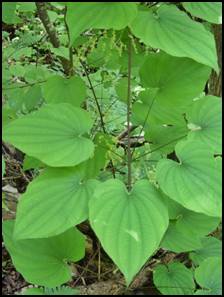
[94, 95]
[85, 268]
[159, 147]
[98, 108]
[152, 151]
[146, 118]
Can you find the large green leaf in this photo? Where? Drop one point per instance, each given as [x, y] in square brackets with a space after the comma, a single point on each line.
[179, 241]
[53, 134]
[44, 261]
[163, 126]
[54, 202]
[186, 228]
[211, 247]
[187, 220]
[209, 11]
[161, 107]
[209, 275]
[58, 89]
[130, 225]
[174, 279]
[174, 32]
[98, 15]
[205, 122]
[194, 181]
[177, 80]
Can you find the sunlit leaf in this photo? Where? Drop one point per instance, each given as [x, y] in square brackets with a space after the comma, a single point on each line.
[54, 202]
[171, 30]
[209, 11]
[205, 122]
[194, 181]
[174, 279]
[129, 225]
[44, 261]
[209, 275]
[53, 134]
[82, 16]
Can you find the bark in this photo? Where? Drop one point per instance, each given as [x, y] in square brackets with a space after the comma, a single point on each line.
[215, 81]
[43, 15]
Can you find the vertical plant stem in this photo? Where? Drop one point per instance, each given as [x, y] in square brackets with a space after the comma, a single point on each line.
[113, 170]
[129, 155]
[94, 96]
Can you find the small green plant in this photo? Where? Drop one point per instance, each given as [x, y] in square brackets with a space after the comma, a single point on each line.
[109, 107]
[63, 290]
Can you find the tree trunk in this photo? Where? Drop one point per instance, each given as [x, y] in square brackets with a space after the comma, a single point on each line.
[215, 81]
[43, 15]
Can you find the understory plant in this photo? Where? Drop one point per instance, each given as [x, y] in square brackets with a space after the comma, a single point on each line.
[110, 104]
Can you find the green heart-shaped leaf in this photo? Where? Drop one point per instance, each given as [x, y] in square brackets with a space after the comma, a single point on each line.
[107, 15]
[179, 241]
[44, 261]
[53, 135]
[174, 279]
[54, 202]
[205, 122]
[211, 247]
[187, 220]
[162, 73]
[194, 182]
[209, 275]
[166, 29]
[130, 225]
[161, 107]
